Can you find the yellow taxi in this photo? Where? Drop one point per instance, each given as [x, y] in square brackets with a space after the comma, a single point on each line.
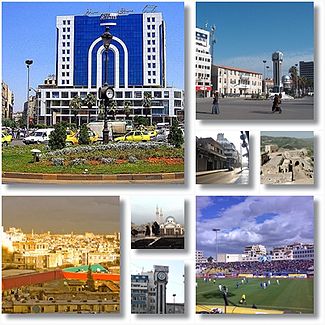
[136, 136]
[6, 138]
[73, 137]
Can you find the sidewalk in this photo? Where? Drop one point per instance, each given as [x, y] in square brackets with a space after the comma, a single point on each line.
[244, 177]
[207, 172]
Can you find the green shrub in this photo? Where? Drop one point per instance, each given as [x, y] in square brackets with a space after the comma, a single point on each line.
[141, 120]
[84, 135]
[175, 136]
[58, 137]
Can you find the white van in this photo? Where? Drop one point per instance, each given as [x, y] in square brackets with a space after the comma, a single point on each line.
[39, 136]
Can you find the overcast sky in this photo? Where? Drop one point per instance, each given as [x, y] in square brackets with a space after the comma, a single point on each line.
[266, 220]
[100, 215]
[232, 136]
[290, 134]
[143, 208]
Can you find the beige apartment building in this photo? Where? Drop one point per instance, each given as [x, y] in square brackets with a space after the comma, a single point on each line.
[7, 101]
[230, 81]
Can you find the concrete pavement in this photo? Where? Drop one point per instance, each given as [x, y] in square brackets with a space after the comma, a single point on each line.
[248, 109]
[223, 177]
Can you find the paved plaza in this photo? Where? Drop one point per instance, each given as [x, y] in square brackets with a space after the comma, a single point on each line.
[248, 109]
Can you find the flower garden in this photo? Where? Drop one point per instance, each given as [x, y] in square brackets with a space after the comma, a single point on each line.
[113, 158]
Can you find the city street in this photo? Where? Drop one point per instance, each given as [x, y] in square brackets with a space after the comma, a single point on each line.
[246, 109]
[223, 177]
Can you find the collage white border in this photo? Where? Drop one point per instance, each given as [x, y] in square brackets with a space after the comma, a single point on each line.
[190, 190]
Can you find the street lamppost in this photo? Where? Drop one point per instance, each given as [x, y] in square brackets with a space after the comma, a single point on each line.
[264, 62]
[28, 64]
[297, 83]
[106, 93]
[216, 231]
[174, 301]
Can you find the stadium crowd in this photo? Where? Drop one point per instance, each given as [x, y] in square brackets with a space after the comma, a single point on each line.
[258, 268]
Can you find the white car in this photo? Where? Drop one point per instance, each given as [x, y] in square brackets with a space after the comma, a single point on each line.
[39, 136]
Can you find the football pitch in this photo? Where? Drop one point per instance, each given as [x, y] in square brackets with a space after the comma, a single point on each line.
[290, 296]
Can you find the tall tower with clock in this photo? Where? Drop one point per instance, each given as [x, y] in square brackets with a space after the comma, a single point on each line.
[161, 280]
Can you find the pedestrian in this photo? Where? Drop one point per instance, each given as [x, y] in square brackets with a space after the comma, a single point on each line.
[215, 104]
[243, 299]
[280, 102]
[276, 104]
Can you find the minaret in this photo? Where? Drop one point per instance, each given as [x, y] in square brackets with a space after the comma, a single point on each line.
[161, 217]
[157, 214]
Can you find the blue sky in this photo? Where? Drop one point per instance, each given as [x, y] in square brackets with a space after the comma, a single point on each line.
[248, 33]
[175, 276]
[266, 220]
[290, 134]
[34, 24]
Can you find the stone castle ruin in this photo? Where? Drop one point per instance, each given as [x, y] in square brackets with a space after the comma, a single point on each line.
[282, 166]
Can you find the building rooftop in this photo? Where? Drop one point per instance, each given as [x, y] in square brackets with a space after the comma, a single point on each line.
[95, 268]
[236, 69]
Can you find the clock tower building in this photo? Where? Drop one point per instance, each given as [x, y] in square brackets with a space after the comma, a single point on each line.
[161, 280]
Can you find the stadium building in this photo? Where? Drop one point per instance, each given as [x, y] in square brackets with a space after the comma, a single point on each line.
[297, 251]
[200, 258]
[253, 252]
[136, 66]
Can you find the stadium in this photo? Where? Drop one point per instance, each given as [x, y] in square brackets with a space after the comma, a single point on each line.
[255, 255]
[270, 287]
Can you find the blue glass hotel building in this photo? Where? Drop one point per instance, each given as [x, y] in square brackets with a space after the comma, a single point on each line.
[136, 65]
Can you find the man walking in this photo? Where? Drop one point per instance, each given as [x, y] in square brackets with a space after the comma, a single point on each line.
[215, 104]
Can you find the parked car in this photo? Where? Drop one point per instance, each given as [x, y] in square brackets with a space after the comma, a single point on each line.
[137, 136]
[6, 138]
[162, 135]
[39, 136]
[73, 137]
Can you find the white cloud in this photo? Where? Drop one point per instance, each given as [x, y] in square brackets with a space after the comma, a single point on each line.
[286, 220]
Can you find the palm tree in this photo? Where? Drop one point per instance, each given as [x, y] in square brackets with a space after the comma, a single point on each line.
[89, 101]
[294, 77]
[303, 84]
[75, 106]
[146, 103]
[127, 109]
[112, 108]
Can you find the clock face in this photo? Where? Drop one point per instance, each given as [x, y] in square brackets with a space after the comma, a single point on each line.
[161, 276]
[109, 93]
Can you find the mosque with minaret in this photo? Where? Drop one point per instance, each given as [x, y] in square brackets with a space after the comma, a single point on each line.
[168, 225]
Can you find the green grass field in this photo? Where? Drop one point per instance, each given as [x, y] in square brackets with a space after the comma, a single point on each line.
[291, 296]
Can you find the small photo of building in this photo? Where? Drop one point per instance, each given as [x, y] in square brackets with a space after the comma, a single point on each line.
[244, 74]
[157, 287]
[222, 157]
[287, 157]
[60, 255]
[157, 222]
